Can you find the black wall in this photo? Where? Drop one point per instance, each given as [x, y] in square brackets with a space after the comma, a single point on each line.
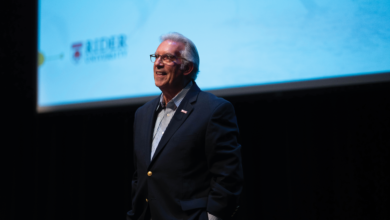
[313, 154]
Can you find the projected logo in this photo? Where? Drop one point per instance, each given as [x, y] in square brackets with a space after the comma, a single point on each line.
[76, 51]
[100, 49]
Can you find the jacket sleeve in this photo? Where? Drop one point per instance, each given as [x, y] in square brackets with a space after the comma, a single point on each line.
[134, 180]
[130, 213]
[224, 161]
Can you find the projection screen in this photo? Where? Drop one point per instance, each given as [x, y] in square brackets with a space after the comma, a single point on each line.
[96, 53]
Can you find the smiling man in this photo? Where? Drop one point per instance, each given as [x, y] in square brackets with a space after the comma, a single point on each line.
[186, 156]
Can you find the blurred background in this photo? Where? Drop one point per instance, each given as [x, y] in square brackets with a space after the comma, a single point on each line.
[308, 152]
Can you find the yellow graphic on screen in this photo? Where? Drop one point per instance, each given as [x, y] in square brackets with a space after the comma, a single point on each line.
[42, 59]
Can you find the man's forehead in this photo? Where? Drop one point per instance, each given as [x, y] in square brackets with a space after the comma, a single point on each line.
[169, 46]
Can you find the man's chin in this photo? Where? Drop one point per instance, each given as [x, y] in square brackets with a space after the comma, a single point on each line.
[159, 84]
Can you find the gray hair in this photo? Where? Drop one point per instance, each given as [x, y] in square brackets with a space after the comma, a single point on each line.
[189, 53]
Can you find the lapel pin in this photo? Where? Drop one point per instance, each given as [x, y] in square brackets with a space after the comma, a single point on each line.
[184, 111]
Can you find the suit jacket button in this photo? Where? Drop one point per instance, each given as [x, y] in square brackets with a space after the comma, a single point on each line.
[150, 173]
[147, 200]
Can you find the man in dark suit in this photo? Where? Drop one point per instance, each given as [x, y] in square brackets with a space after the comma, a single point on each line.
[186, 155]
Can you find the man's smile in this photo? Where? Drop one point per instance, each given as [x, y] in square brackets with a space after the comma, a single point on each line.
[160, 74]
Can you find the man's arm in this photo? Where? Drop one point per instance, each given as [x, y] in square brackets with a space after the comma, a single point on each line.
[224, 161]
[134, 179]
[130, 213]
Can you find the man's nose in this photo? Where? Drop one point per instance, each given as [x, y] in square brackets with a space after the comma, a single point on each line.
[158, 62]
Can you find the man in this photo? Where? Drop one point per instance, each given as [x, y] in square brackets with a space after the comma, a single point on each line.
[187, 159]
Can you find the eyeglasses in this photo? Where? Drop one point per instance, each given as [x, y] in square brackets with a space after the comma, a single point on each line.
[166, 58]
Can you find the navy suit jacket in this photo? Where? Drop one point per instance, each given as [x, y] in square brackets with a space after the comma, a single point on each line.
[197, 165]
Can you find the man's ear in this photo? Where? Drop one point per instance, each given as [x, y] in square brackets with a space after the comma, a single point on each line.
[188, 69]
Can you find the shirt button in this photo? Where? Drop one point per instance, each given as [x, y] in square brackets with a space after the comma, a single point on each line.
[162, 132]
[167, 114]
[150, 173]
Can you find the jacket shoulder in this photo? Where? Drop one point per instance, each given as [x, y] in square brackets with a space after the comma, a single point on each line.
[147, 106]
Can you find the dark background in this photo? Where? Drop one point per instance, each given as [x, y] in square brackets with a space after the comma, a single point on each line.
[310, 154]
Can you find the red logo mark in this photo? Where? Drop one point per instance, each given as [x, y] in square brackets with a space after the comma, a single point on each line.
[76, 48]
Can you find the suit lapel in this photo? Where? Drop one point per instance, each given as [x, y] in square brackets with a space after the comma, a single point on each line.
[178, 119]
[149, 122]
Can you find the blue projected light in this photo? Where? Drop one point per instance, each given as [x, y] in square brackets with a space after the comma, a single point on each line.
[91, 51]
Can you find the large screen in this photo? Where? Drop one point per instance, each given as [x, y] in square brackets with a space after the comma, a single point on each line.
[96, 52]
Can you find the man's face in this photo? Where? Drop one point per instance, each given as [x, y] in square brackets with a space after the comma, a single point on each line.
[168, 76]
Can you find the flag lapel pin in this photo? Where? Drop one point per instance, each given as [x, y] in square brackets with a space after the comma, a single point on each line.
[184, 111]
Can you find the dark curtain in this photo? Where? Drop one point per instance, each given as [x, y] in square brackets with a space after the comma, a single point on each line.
[306, 156]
